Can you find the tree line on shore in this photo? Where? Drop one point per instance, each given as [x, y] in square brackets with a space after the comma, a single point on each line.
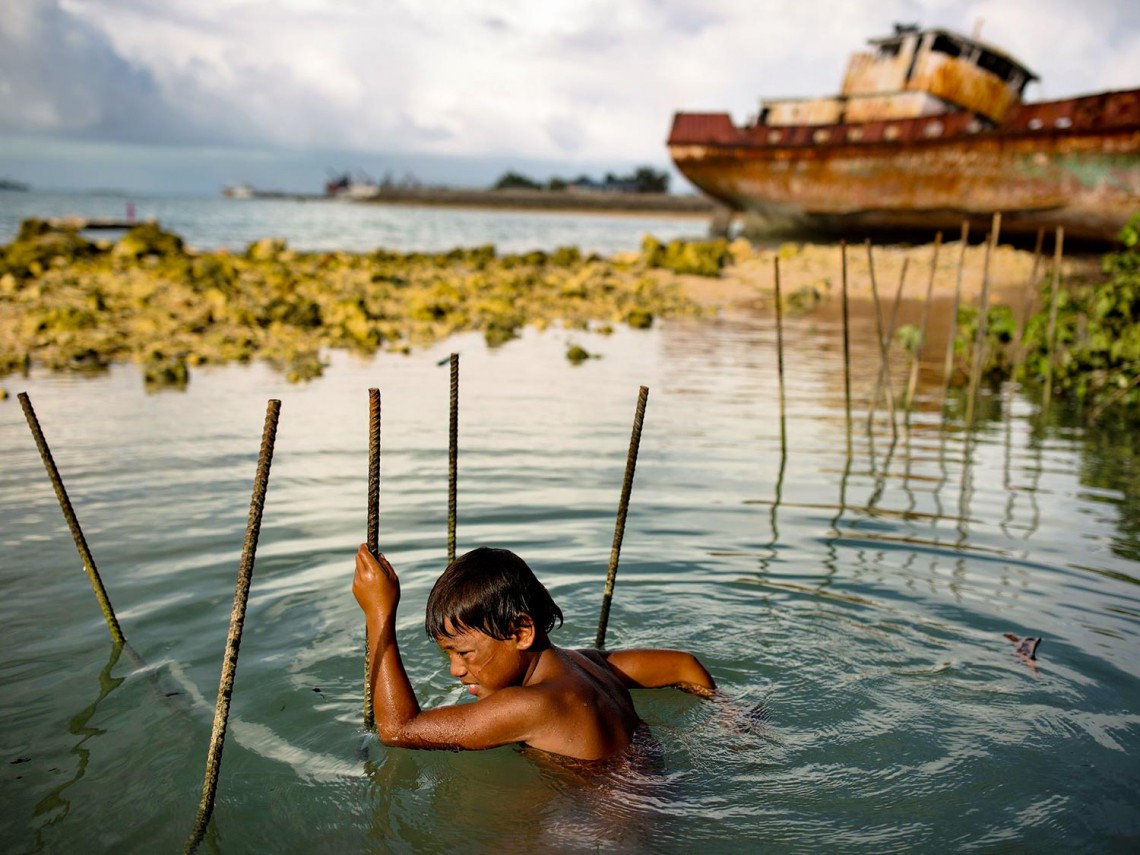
[644, 179]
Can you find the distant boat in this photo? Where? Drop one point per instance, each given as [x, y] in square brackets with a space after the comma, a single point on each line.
[348, 186]
[18, 186]
[928, 129]
[238, 191]
[245, 191]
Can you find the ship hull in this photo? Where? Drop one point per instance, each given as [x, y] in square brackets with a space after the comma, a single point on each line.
[1073, 163]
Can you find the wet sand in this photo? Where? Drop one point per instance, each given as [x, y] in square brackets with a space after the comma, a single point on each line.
[811, 274]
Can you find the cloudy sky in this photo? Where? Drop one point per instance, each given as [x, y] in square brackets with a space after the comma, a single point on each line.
[185, 95]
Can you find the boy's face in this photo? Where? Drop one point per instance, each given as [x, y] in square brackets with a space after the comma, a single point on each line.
[484, 664]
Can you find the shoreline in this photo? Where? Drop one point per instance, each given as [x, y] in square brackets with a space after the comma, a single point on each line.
[560, 201]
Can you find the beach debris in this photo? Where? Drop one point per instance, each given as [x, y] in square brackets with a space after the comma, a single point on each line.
[1026, 650]
[1026, 647]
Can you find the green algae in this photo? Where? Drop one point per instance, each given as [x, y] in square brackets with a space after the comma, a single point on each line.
[698, 258]
[73, 305]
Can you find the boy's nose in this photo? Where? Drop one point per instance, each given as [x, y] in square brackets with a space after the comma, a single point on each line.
[457, 667]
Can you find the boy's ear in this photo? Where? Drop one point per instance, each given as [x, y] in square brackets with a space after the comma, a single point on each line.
[523, 631]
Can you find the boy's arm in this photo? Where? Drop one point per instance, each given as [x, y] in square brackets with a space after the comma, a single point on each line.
[652, 669]
[508, 716]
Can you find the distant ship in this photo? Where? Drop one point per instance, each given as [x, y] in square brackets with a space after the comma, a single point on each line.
[348, 186]
[928, 130]
[245, 191]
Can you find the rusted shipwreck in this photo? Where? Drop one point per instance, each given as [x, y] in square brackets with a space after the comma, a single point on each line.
[928, 130]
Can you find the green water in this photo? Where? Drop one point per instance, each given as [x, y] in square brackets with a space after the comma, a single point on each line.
[856, 586]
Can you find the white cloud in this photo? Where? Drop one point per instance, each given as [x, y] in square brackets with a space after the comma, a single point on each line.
[559, 79]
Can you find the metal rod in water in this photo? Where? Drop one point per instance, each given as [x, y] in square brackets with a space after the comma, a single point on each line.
[1026, 311]
[780, 353]
[846, 345]
[916, 356]
[72, 521]
[948, 367]
[983, 318]
[884, 343]
[623, 509]
[1051, 334]
[237, 619]
[452, 457]
[373, 539]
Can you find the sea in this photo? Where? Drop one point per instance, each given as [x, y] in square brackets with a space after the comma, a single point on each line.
[319, 224]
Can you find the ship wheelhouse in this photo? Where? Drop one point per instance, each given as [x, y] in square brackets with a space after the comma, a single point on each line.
[911, 74]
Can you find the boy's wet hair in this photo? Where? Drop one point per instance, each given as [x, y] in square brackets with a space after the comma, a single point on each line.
[487, 590]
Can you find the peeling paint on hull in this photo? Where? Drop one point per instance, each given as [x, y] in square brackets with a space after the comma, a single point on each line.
[1073, 163]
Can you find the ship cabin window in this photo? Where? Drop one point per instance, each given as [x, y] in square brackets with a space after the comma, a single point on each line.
[997, 65]
[945, 44]
[889, 50]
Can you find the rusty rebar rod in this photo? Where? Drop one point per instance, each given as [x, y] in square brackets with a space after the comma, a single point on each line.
[452, 457]
[623, 510]
[948, 365]
[1051, 334]
[780, 353]
[846, 344]
[916, 356]
[884, 343]
[237, 620]
[983, 321]
[373, 538]
[1026, 311]
[72, 521]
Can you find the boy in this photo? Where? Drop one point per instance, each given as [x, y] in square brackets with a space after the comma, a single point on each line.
[491, 616]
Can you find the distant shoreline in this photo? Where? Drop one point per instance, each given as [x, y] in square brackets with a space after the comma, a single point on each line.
[547, 200]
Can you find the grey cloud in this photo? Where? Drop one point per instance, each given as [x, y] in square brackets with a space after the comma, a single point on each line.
[566, 133]
[61, 76]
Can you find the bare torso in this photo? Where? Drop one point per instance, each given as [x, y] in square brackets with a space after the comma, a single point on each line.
[593, 716]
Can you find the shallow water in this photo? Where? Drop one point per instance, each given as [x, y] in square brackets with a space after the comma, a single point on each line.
[320, 224]
[858, 589]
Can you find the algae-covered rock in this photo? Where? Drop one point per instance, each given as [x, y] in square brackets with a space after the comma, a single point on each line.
[741, 250]
[39, 245]
[168, 310]
[147, 239]
[566, 256]
[576, 354]
[699, 258]
[807, 297]
[266, 249]
[162, 371]
[639, 319]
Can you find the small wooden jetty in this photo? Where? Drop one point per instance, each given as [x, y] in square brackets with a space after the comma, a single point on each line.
[97, 223]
